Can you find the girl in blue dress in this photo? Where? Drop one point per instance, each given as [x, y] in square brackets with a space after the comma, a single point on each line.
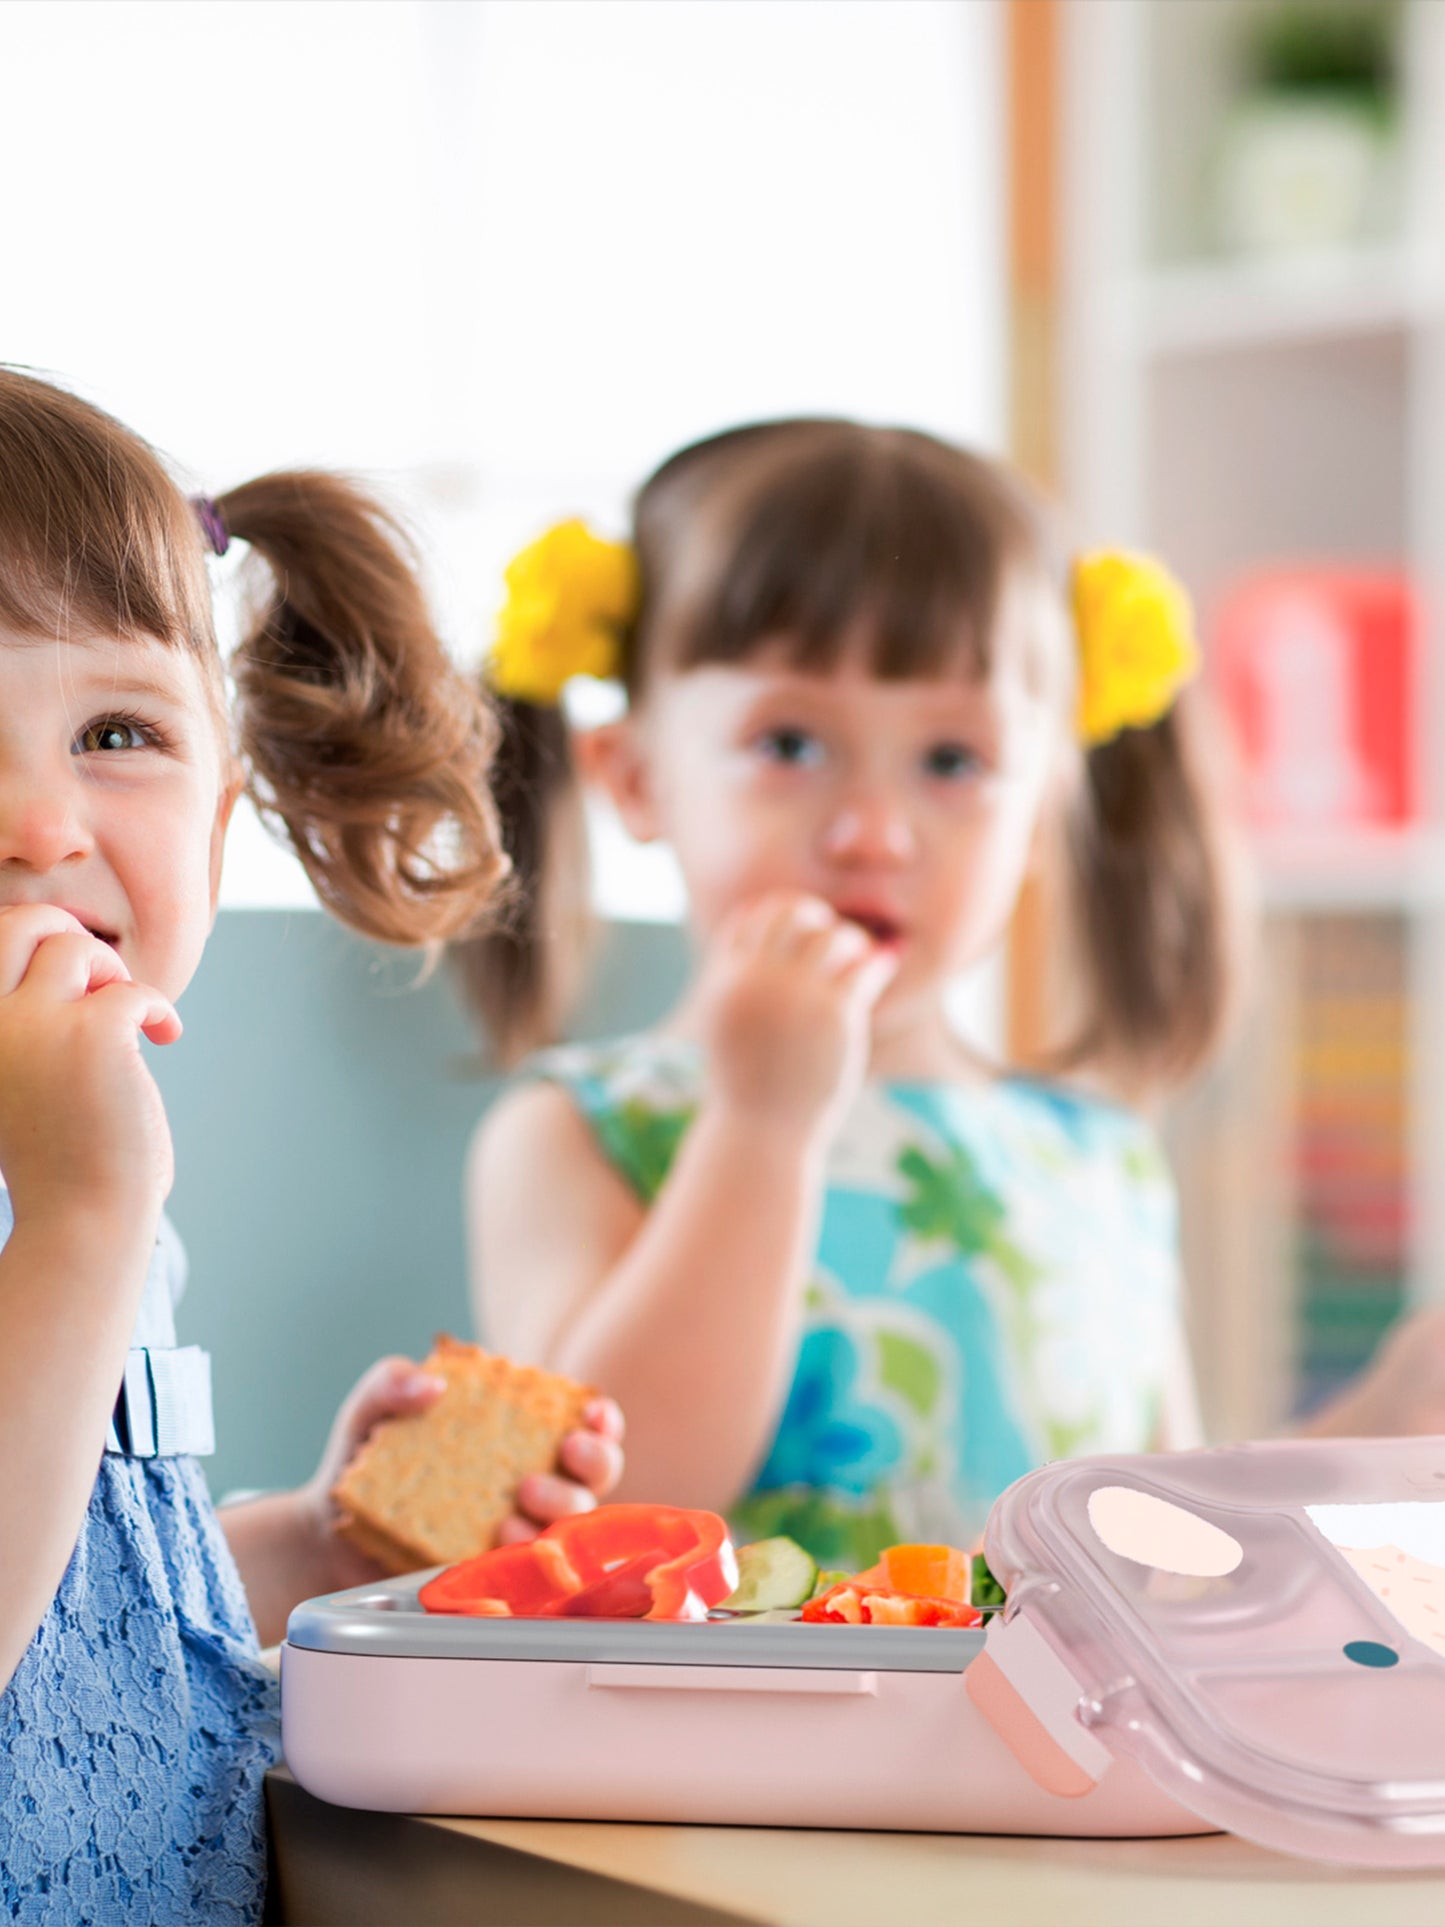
[136, 1721]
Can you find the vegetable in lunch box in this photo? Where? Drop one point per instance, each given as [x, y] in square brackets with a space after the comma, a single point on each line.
[985, 1591]
[830, 1578]
[853, 1605]
[772, 1574]
[618, 1562]
[911, 1585]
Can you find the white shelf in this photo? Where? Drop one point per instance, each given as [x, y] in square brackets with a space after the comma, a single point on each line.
[1209, 306]
[1399, 870]
[1233, 413]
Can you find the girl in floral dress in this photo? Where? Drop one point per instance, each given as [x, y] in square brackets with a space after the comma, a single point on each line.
[848, 1278]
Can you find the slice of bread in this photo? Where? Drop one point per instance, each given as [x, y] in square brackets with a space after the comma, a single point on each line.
[432, 1489]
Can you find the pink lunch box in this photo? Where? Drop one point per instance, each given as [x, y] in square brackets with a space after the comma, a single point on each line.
[1240, 1638]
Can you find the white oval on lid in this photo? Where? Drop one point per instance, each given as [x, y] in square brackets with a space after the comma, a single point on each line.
[1155, 1532]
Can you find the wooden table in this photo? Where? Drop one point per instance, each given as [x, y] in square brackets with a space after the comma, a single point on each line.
[333, 1865]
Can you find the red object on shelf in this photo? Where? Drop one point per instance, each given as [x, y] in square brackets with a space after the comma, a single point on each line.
[1317, 668]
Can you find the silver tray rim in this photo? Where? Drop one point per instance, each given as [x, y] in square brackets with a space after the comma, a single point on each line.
[387, 1620]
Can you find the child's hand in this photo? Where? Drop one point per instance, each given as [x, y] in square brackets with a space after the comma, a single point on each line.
[1400, 1392]
[81, 1120]
[396, 1387]
[591, 1463]
[786, 998]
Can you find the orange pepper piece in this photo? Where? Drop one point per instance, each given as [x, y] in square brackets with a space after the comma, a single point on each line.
[928, 1572]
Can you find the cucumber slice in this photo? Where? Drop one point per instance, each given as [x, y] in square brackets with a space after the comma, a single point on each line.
[772, 1573]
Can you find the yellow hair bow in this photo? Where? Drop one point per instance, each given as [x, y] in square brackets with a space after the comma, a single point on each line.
[570, 597]
[1136, 643]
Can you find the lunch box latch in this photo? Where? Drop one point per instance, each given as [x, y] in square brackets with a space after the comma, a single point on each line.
[1031, 1700]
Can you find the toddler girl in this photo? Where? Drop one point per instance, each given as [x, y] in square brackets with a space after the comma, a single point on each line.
[135, 1719]
[848, 1279]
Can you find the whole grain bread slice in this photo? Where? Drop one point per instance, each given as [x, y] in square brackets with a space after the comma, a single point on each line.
[432, 1489]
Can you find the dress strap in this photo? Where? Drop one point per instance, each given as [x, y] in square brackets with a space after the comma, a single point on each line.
[164, 1408]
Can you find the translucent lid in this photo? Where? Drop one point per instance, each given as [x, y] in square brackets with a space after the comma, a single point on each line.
[1262, 1628]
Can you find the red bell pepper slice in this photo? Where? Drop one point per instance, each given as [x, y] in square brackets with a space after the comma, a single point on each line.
[509, 1580]
[623, 1594]
[619, 1561]
[693, 1563]
[852, 1604]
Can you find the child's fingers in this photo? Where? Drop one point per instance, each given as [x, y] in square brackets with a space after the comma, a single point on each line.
[72, 964]
[869, 976]
[391, 1388]
[23, 929]
[141, 1007]
[802, 922]
[516, 1531]
[779, 920]
[594, 1462]
[744, 932]
[543, 1497]
[836, 950]
[164, 1028]
[69, 964]
[406, 1387]
[58, 958]
[66, 968]
[604, 1416]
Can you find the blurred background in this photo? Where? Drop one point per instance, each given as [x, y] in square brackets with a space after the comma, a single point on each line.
[1243, 294]
[1184, 259]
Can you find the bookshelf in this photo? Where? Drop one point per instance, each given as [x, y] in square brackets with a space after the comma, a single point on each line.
[1237, 407]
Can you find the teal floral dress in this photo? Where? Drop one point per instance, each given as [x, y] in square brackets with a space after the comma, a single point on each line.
[996, 1285]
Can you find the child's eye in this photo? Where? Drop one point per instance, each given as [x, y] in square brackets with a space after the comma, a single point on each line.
[109, 733]
[952, 761]
[796, 748]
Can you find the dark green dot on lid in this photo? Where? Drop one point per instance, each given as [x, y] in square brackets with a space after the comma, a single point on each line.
[1369, 1652]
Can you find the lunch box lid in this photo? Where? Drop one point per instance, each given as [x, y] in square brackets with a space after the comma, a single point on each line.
[1260, 1627]
[388, 1619]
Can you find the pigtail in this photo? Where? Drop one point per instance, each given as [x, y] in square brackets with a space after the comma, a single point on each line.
[570, 609]
[364, 746]
[1156, 902]
[518, 976]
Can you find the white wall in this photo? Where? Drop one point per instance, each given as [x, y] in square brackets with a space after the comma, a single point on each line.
[502, 254]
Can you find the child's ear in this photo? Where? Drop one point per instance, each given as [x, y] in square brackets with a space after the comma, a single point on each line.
[613, 758]
[225, 803]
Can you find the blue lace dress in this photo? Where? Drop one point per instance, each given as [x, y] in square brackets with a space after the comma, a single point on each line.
[996, 1284]
[137, 1728]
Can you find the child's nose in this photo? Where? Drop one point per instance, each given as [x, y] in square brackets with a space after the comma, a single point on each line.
[38, 833]
[870, 828]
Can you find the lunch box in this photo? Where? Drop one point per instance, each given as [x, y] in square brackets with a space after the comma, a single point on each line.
[1242, 1638]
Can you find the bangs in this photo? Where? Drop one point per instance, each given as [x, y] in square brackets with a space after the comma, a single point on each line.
[94, 535]
[830, 540]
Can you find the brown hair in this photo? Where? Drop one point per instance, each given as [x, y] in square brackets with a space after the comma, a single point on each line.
[358, 739]
[832, 535]
[518, 975]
